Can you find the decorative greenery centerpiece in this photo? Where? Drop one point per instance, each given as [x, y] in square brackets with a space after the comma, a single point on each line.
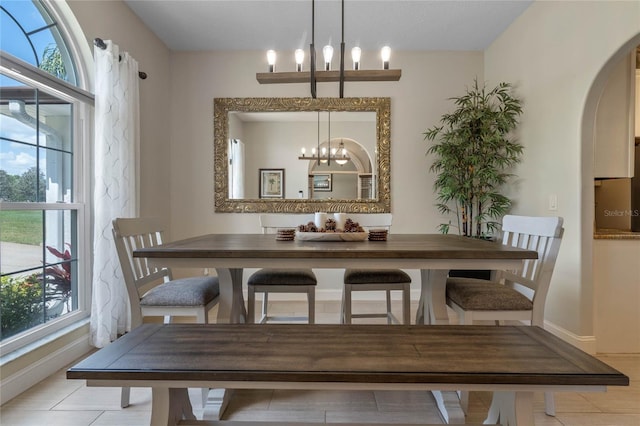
[474, 151]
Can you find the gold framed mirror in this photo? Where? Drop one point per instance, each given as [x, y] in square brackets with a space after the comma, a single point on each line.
[297, 136]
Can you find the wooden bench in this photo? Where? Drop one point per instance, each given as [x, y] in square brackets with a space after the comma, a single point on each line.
[512, 361]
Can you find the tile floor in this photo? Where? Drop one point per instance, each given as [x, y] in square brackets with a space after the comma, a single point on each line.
[58, 401]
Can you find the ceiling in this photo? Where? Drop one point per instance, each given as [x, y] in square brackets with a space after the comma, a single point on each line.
[186, 25]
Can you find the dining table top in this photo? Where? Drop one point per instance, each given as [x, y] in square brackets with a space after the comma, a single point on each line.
[397, 246]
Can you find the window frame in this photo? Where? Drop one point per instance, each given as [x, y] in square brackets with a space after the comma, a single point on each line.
[82, 128]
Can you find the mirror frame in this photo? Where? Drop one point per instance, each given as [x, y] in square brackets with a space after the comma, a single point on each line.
[223, 204]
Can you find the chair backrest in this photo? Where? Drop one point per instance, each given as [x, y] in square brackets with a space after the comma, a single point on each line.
[372, 220]
[542, 234]
[130, 234]
[270, 223]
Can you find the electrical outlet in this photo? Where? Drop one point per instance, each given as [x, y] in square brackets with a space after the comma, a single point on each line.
[553, 202]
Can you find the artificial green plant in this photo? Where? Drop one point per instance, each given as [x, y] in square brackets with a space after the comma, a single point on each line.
[474, 151]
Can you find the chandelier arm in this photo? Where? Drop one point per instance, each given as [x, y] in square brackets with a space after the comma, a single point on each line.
[329, 139]
[318, 137]
[312, 54]
[342, 56]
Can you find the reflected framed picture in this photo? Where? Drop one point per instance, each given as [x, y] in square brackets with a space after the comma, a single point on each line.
[271, 183]
[322, 182]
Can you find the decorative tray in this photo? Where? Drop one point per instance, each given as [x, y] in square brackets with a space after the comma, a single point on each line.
[331, 236]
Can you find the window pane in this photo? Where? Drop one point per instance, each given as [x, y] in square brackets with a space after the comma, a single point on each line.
[61, 261]
[21, 240]
[26, 13]
[38, 284]
[17, 111]
[20, 180]
[55, 122]
[13, 40]
[55, 176]
[22, 302]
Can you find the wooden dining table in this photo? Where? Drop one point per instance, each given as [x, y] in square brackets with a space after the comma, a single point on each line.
[433, 254]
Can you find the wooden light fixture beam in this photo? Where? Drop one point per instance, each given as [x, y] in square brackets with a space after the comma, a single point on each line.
[314, 76]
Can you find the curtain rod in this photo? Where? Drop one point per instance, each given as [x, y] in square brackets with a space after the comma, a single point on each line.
[98, 42]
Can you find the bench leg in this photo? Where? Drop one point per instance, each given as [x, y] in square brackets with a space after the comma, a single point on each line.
[217, 403]
[511, 409]
[449, 406]
[169, 406]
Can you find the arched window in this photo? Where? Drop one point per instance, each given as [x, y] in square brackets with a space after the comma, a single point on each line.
[44, 175]
[29, 32]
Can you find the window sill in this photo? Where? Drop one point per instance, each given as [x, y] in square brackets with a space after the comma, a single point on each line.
[12, 356]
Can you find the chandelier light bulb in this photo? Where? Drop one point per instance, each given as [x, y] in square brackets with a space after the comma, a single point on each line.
[324, 151]
[299, 54]
[271, 60]
[303, 151]
[385, 54]
[356, 52]
[327, 52]
[313, 151]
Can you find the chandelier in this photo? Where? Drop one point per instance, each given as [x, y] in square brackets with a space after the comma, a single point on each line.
[324, 155]
[340, 154]
[326, 74]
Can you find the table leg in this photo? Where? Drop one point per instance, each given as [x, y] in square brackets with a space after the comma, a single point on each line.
[231, 307]
[169, 406]
[432, 308]
[511, 409]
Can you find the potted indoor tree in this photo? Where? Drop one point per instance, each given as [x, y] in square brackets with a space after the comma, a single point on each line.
[474, 151]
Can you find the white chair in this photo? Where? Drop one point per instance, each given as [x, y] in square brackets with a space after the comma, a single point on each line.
[512, 295]
[386, 280]
[153, 291]
[274, 280]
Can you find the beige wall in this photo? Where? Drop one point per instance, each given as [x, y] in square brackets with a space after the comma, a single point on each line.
[553, 54]
[113, 20]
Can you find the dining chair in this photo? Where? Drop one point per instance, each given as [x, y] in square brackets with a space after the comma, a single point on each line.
[517, 295]
[153, 291]
[278, 280]
[386, 280]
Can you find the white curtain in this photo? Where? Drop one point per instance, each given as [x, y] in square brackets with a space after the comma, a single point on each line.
[236, 168]
[115, 193]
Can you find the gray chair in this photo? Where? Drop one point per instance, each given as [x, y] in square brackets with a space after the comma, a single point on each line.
[153, 291]
[276, 280]
[386, 280]
[512, 295]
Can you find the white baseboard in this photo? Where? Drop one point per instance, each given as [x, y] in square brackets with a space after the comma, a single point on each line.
[584, 343]
[19, 382]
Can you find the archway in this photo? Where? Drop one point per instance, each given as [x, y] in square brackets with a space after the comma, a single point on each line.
[587, 176]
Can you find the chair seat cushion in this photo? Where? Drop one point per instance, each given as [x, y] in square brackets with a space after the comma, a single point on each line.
[375, 276]
[270, 276]
[480, 295]
[193, 291]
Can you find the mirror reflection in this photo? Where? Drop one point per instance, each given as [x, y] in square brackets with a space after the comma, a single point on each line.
[301, 154]
[325, 155]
